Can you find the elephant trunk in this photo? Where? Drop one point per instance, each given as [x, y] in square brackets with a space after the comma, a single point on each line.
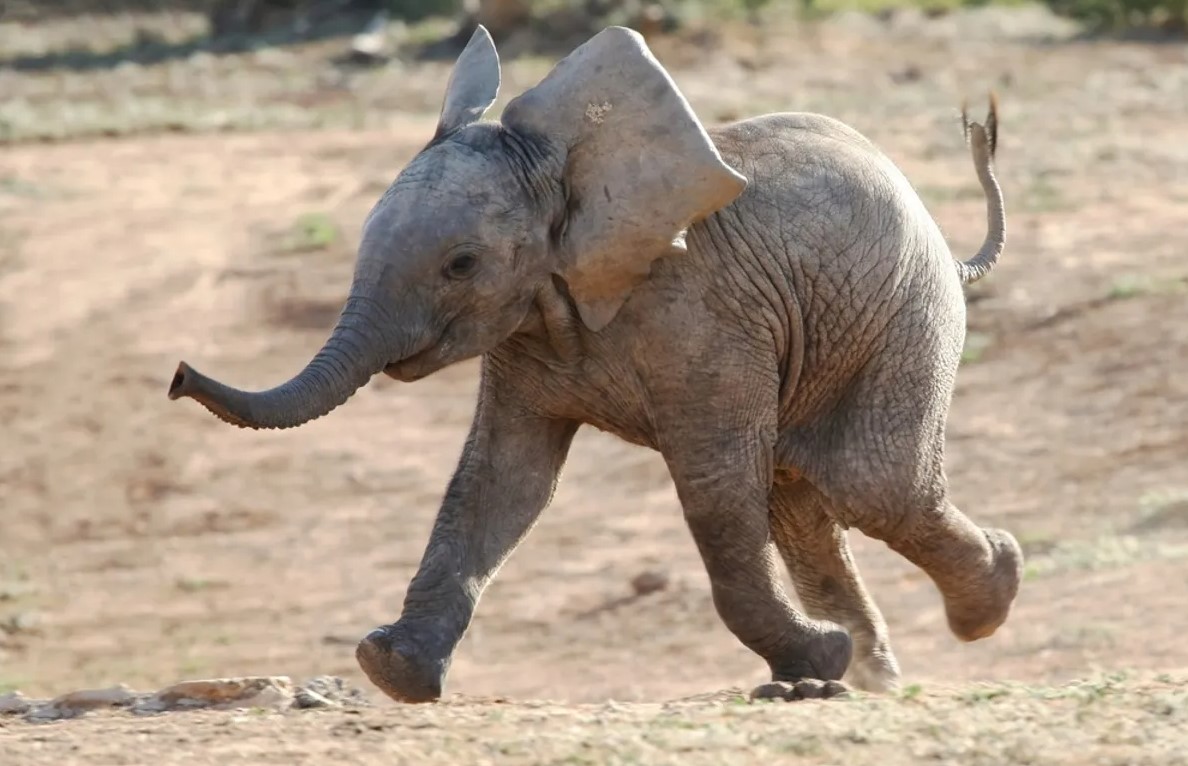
[358, 348]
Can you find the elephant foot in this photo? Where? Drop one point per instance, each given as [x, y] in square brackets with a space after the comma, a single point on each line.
[826, 655]
[978, 611]
[398, 668]
[799, 689]
[813, 671]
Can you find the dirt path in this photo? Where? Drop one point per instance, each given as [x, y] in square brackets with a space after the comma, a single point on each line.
[144, 542]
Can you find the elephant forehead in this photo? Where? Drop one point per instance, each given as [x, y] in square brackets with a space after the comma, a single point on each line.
[439, 195]
[448, 167]
[418, 227]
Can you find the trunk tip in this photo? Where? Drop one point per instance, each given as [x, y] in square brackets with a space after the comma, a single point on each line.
[182, 379]
[188, 382]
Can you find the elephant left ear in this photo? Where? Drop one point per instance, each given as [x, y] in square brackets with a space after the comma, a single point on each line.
[473, 85]
[639, 167]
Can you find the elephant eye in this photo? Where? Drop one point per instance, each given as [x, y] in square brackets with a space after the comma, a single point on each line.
[460, 266]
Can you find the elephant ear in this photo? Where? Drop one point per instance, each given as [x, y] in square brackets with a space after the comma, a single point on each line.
[473, 85]
[639, 167]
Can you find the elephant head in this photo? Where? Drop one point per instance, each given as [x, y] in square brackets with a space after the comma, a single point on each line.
[589, 176]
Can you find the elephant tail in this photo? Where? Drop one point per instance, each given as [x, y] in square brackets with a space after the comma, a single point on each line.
[983, 140]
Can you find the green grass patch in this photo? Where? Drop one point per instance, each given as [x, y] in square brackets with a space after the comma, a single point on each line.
[878, 6]
[1044, 196]
[1137, 285]
[1105, 552]
[10, 684]
[976, 344]
[198, 584]
[937, 195]
[1161, 510]
[311, 232]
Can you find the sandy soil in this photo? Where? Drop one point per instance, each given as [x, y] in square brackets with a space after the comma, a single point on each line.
[142, 541]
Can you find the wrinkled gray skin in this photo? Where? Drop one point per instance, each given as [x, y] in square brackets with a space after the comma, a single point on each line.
[768, 304]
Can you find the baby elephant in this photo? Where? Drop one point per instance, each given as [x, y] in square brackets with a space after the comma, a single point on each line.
[767, 304]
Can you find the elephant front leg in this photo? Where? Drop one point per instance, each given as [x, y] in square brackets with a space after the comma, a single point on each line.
[505, 478]
[723, 484]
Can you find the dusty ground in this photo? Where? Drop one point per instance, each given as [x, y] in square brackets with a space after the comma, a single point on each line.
[142, 541]
[1123, 722]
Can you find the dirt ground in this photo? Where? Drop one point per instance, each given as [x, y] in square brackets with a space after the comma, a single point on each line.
[144, 542]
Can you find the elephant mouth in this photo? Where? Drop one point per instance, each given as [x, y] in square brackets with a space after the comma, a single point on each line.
[411, 368]
[396, 371]
[423, 363]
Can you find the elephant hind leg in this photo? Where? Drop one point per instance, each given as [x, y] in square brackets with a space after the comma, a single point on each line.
[826, 578]
[977, 570]
[886, 478]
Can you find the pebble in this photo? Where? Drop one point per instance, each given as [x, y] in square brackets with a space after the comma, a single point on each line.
[649, 582]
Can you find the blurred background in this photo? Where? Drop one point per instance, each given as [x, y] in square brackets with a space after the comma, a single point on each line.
[188, 179]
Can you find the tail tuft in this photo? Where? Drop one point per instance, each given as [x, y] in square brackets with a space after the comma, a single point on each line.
[992, 123]
[983, 133]
[983, 142]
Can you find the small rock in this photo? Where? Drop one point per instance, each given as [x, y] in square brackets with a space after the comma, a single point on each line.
[274, 692]
[910, 73]
[649, 582]
[328, 691]
[372, 44]
[14, 703]
[21, 623]
[653, 20]
[75, 704]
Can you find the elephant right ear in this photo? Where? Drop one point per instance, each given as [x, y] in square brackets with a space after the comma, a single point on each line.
[473, 85]
[639, 167]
